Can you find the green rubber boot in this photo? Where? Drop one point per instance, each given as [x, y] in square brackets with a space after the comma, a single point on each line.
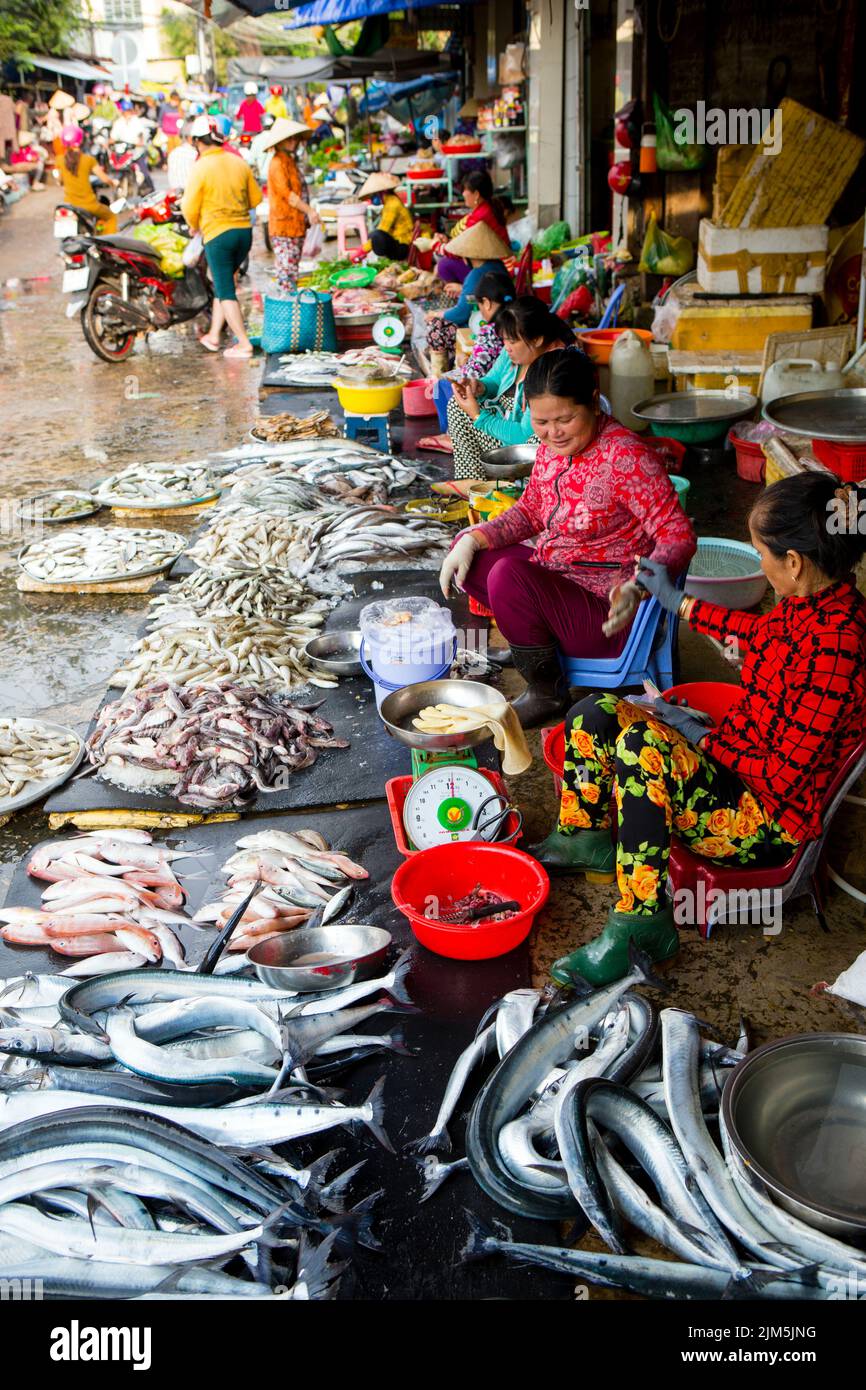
[606, 958]
[591, 852]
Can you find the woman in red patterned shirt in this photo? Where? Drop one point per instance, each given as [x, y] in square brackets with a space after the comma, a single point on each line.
[597, 497]
[751, 789]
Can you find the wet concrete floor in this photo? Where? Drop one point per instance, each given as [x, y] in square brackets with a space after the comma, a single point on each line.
[70, 419]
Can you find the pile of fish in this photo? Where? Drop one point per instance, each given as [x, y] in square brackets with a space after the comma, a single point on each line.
[138, 1122]
[273, 598]
[210, 747]
[348, 477]
[306, 368]
[350, 302]
[112, 896]
[33, 752]
[207, 650]
[372, 364]
[276, 429]
[245, 540]
[95, 555]
[56, 506]
[579, 1121]
[300, 873]
[158, 485]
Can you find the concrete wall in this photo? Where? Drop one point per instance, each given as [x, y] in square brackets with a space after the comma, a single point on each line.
[545, 107]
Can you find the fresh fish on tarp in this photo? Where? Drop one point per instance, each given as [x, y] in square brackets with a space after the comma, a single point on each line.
[161, 1065]
[210, 747]
[271, 598]
[94, 554]
[435, 1172]
[32, 752]
[477, 1050]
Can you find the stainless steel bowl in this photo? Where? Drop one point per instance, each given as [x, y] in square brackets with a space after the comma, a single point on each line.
[508, 464]
[338, 652]
[321, 958]
[795, 1114]
[401, 707]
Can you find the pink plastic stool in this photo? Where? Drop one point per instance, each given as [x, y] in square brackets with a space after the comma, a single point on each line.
[351, 217]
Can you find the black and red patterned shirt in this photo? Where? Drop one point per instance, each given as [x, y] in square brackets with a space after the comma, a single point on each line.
[801, 712]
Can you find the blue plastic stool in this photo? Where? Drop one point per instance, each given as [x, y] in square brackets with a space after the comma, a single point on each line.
[379, 425]
[647, 655]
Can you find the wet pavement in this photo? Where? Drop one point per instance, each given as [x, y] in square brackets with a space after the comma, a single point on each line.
[70, 419]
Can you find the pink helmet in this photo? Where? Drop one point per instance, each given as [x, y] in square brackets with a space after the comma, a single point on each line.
[72, 135]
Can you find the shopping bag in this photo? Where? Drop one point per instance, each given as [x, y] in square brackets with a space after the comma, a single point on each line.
[301, 322]
[314, 241]
[192, 252]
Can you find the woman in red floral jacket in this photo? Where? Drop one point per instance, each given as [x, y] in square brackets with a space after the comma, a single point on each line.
[748, 791]
[598, 496]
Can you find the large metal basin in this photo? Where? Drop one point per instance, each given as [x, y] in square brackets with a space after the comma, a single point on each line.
[401, 706]
[795, 1113]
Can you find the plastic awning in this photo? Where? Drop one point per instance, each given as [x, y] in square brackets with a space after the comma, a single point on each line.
[391, 65]
[420, 97]
[342, 11]
[70, 67]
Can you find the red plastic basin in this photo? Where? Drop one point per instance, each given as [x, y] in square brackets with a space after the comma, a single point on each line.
[449, 872]
[418, 397]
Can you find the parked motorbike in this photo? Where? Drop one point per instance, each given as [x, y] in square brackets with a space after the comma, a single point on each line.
[120, 289]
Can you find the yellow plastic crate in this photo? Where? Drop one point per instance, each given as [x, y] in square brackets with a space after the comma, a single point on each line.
[800, 185]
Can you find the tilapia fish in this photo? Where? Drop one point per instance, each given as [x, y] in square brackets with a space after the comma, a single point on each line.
[212, 747]
[96, 554]
[32, 752]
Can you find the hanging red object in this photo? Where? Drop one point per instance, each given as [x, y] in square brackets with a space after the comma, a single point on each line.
[624, 134]
[619, 176]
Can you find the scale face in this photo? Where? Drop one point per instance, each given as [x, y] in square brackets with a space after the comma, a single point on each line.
[389, 332]
[442, 804]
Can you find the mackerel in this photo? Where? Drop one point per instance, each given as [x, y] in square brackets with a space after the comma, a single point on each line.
[81, 1001]
[478, 1049]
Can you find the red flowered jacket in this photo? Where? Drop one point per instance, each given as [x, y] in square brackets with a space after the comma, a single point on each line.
[593, 513]
[804, 692]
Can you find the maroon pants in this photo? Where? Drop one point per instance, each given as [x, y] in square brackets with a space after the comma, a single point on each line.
[536, 607]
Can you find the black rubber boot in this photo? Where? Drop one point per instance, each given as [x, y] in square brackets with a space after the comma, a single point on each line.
[546, 694]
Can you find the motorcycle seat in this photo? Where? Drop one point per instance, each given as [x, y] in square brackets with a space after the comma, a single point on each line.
[128, 243]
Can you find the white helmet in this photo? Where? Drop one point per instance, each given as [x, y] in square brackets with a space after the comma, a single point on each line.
[251, 89]
[201, 127]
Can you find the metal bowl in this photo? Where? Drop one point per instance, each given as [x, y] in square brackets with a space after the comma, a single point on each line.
[320, 959]
[338, 652]
[838, 415]
[695, 417]
[795, 1114]
[509, 464]
[401, 707]
[90, 505]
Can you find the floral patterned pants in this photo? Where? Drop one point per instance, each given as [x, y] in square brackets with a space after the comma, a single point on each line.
[660, 784]
[287, 256]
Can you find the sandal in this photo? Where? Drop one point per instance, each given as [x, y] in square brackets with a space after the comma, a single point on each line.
[237, 352]
[207, 343]
[438, 443]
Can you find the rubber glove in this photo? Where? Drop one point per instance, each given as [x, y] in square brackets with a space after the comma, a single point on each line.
[457, 563]
[676, 718]
[652, 575]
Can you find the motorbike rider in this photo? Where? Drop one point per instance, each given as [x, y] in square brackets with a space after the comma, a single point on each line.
[132, 129]
[250, 112]
[76, 170]
[275, 104]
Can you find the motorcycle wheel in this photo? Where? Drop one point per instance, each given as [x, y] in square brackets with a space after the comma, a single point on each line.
[109, 346]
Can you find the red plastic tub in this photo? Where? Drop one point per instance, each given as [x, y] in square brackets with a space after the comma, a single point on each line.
[672, 451]
[553, 752]
[750, 458]
[397, 789]
[848, 460]
[418, 397]
[447, 873]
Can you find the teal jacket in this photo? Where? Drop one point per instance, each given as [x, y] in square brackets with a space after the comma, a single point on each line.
[514, 425]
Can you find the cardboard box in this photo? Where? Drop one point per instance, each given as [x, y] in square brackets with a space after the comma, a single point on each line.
[761, 260]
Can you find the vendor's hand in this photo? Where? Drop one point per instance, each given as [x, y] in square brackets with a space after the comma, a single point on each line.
[313, 217]
[433, 314]
[654, 577]
[677, 718]
[457, 563]
[453, 289]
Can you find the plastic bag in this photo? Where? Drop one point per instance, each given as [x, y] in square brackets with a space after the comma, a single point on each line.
[169, 243]
[673, 154]
[550, 239]
[663, 254]
[314, 241]
[522, 230]
[193, 250]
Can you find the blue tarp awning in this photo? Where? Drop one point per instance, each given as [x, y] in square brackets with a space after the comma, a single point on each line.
[386, 94]
[342, 11]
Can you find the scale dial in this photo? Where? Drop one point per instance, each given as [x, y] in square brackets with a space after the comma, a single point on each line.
[441, 806]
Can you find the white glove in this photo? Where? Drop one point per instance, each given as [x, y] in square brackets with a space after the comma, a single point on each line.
[457, 563]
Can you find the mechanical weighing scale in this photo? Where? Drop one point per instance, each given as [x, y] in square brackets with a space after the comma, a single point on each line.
[448, 797]
[389, 333]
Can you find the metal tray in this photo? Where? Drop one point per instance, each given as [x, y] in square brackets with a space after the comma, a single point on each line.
[111, 579]
[151, 505]
[96, 506]
[50, 784]
[313, 439]
[838, 415]
[696, 407]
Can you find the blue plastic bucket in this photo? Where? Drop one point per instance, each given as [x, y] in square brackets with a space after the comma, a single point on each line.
[442, 392]
[409, 673]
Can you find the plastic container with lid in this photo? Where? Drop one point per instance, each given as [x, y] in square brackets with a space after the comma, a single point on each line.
[791, 375]
[406, 640]
[632, 378]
